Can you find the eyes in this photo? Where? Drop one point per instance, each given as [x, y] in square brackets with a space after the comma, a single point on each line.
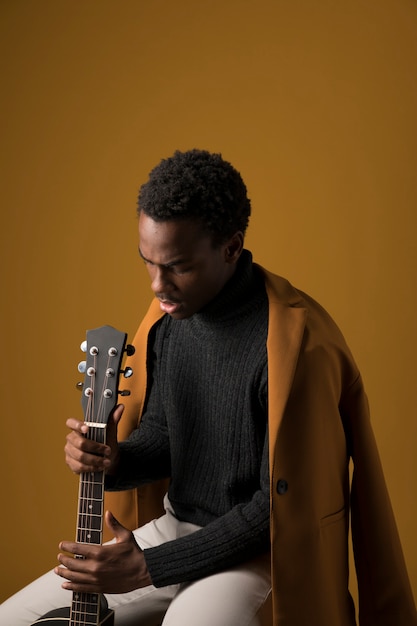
[174, 269]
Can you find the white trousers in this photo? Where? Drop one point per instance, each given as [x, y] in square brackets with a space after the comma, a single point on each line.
[240, 596]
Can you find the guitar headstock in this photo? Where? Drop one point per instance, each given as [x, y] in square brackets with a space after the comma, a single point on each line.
[104, 348]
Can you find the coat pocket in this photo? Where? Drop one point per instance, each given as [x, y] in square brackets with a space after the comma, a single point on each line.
[333, 518]
[334, 565]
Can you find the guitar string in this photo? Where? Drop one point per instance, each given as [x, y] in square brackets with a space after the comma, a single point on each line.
[86, 601]
[78, 615]
[80, 600]
[90, 601]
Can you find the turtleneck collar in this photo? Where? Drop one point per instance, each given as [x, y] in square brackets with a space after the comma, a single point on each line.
[241, 295]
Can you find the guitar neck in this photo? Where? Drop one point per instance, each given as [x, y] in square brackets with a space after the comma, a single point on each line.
[91, 498]
[85, 607]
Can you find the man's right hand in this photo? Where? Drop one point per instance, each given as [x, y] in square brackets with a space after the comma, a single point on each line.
[85, 455]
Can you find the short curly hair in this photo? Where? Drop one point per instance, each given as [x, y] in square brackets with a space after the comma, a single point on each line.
[198, 185]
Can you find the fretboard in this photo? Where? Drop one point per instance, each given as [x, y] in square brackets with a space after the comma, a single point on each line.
[85, 607]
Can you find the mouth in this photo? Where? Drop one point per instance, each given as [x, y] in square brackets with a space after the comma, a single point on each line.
[169, 307]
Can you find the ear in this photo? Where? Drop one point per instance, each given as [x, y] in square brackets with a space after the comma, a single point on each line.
[233, 248]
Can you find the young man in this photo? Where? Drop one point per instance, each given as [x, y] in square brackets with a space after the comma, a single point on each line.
[247, 400]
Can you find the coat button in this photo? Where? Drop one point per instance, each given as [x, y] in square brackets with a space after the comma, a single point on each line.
[282, 486]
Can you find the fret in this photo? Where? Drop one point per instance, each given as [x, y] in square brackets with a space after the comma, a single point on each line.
[93, 478]
[85, 601]
[89, 520]
[91, 491]
[85, 607]
[96, 433]
[89, 506]
[90, 536]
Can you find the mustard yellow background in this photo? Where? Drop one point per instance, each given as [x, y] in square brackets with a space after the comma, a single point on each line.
[313, 101]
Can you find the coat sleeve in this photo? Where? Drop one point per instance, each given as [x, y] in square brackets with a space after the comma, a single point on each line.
[385, 596]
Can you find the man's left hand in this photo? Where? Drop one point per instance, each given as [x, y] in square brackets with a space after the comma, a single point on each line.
[116, 567]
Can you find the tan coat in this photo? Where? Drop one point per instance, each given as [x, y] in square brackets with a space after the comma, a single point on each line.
[318, 417]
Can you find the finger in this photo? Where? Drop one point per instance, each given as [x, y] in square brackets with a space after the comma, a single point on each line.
[84, 442]
[76, 425]
[72, 564]
[117, 413]
[85, 454]
[80, 467]
[80, 462]
[84, 550]
[113, 424]
[119, 531]
[77, 444]
[76, 581]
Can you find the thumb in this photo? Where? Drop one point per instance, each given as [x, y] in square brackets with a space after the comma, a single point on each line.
[117, 414]
[119, 531]
[113, 424]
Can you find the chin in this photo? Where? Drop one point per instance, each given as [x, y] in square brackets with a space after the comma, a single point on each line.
[180, 315]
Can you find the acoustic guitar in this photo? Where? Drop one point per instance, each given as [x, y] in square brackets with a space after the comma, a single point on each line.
[104, 349]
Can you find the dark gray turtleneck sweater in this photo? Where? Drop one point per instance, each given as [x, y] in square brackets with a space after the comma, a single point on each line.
[205, 426]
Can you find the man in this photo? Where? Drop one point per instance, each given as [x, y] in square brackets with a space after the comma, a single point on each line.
[245, 397]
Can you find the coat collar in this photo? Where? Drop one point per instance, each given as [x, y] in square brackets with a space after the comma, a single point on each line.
[287, 319]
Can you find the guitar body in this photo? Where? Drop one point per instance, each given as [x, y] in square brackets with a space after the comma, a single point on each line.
[104, 349]
[61, 617]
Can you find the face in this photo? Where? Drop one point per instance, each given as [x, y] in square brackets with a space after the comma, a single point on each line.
[186, 271]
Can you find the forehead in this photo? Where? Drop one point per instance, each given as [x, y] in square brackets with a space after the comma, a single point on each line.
[165, 241]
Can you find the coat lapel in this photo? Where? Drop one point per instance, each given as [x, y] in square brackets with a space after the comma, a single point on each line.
[137, 384]
[287, 318]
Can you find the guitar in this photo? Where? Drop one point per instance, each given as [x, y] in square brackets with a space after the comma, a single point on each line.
[104, 349]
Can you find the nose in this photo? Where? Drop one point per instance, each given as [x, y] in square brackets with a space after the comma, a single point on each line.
[160, 281]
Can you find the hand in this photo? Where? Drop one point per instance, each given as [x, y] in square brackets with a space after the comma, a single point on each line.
[85, 455]
[116, 567]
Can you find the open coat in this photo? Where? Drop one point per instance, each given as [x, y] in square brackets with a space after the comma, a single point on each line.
[318, 420]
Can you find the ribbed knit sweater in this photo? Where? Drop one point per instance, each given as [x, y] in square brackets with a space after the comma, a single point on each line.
[205, 426]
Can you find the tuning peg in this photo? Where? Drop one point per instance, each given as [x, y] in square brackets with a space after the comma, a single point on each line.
[127, 372]
[82, 368]
[79, 386]
[125, 392]
[130, 349]
[83, 346]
